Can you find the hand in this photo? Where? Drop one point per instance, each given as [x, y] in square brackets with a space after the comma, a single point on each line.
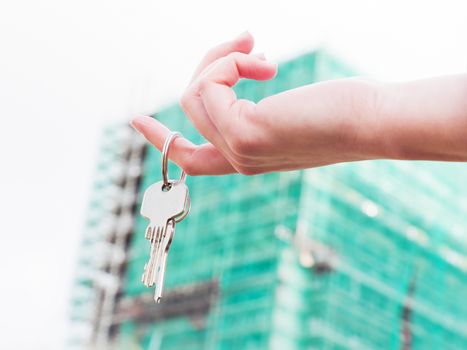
[309, 126]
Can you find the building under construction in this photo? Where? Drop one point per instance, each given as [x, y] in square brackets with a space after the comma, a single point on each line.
[364, 255]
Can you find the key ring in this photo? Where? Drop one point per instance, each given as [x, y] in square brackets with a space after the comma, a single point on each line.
[165, 157]
[165, 172]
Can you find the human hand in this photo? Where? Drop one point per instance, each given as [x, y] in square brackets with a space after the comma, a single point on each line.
[309, 126]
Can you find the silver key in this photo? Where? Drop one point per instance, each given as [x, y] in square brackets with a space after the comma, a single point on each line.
[162, 259]
[164, 204]
[161, 206]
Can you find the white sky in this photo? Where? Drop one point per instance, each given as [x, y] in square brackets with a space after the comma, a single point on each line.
[68, 68]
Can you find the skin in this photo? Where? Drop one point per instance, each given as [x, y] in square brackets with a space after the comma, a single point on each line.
[314, 125]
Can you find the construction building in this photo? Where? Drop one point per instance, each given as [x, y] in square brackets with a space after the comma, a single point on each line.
[364, 255]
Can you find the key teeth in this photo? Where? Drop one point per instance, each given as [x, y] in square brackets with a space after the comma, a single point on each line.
[149, 232]
[145, 282]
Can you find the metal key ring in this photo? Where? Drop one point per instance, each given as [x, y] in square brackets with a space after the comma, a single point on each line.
[165, 157]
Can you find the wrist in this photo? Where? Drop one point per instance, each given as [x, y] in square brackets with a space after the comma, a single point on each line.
[364, 135]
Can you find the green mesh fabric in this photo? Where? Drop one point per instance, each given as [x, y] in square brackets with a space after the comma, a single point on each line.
[394, 243]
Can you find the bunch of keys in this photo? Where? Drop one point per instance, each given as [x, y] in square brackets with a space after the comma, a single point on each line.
[165, 203]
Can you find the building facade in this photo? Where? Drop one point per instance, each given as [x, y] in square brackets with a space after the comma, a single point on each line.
[365, 255]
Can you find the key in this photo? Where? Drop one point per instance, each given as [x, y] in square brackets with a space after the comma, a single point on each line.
[148, 277]
[163, 252]
[164, 204]
[161, 206]
[162, 260]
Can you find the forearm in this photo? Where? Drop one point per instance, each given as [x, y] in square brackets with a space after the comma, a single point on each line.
[321, 123]
[419, 120]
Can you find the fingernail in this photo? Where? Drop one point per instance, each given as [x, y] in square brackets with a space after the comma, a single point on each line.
[138, 121]
[132, 123]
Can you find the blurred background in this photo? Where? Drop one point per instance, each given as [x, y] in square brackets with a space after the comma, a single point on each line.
[383, 241]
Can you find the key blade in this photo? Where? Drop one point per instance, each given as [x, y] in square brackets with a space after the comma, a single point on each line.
[149, 232]
[160, 279]
[148, 275]
[170, 230]
[157, 256]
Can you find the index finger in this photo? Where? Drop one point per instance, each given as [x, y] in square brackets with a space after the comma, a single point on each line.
[243, 43]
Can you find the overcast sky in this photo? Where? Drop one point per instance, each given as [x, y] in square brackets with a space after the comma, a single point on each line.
[68, 68]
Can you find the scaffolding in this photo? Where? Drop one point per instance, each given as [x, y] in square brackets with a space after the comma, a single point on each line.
[365, 255]
[104, 249]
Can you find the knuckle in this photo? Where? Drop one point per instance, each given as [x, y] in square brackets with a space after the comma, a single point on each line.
[225, 61]
[248, 171]
[203, 84]
[232, 59]
[241, 144]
